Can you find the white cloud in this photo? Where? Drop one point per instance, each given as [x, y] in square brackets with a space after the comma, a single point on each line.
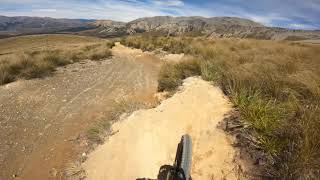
[45, 10]
[106, 9]
[300, 26]
[111, 9]
[176, 3]
[267, 19]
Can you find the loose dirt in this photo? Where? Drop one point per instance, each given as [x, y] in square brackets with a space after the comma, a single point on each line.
[148, 138]
[40, 118]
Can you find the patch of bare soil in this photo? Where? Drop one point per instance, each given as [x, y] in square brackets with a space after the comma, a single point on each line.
[41, 118]
[173, 57]
[148, 138]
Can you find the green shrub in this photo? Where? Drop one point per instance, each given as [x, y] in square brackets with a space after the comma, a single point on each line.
[172, 74]
[94, 135]
[169, 78]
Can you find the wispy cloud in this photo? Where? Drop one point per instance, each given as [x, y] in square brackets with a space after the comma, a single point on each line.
[45, 10]
[267, 19]
[176, 3]
[285, 13]
[301, 26]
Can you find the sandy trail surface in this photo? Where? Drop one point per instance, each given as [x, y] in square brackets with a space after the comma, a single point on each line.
[148, 138]
[40, 118]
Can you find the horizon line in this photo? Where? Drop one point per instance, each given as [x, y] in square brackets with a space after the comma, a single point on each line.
[267, 26]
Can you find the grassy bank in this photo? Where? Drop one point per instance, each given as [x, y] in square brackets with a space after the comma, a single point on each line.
[42, 62]
[275, 86]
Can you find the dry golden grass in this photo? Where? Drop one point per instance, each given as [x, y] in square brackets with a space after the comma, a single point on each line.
[40, 42]
[275, 86]
[30, 60]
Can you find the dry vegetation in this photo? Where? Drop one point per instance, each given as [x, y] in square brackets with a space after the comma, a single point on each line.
[36, 42]
[99, 131]
[275, 86]
[33, 61]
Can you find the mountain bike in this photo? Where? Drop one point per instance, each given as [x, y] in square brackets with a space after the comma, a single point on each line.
[181, 168]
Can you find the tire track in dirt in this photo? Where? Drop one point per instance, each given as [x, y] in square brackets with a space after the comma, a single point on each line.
[39, 117]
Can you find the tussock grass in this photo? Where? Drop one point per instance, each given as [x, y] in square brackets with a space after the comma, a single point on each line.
[39, 63]
[172, 74]
[275, 86]
[99, 54]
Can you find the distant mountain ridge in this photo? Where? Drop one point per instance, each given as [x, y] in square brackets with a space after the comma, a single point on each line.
[168, 25]
[34, 25]
[163, 25]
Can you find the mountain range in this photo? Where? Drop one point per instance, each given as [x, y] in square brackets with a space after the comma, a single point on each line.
[162, 25]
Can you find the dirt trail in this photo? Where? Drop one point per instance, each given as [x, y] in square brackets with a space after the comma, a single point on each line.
[40, 118]
[148, 138]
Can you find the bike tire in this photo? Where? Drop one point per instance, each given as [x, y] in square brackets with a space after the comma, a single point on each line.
[184, 155]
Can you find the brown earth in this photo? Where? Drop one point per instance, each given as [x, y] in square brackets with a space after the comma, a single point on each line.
[148, 138]
[39, 118]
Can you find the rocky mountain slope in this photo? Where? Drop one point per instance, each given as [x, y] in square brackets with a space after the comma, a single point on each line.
[212, 27]
[167, 25]
[163, 25]
[178, 25]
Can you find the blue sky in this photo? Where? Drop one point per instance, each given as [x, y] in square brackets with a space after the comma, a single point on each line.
[294, 14]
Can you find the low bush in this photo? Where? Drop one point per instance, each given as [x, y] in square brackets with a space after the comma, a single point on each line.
[55, 58]
[99, 54]
[110, 44]
[172, 74]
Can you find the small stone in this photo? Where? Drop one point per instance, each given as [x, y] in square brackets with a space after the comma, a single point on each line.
[53, 172]
[47, 126]
[84, 154]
